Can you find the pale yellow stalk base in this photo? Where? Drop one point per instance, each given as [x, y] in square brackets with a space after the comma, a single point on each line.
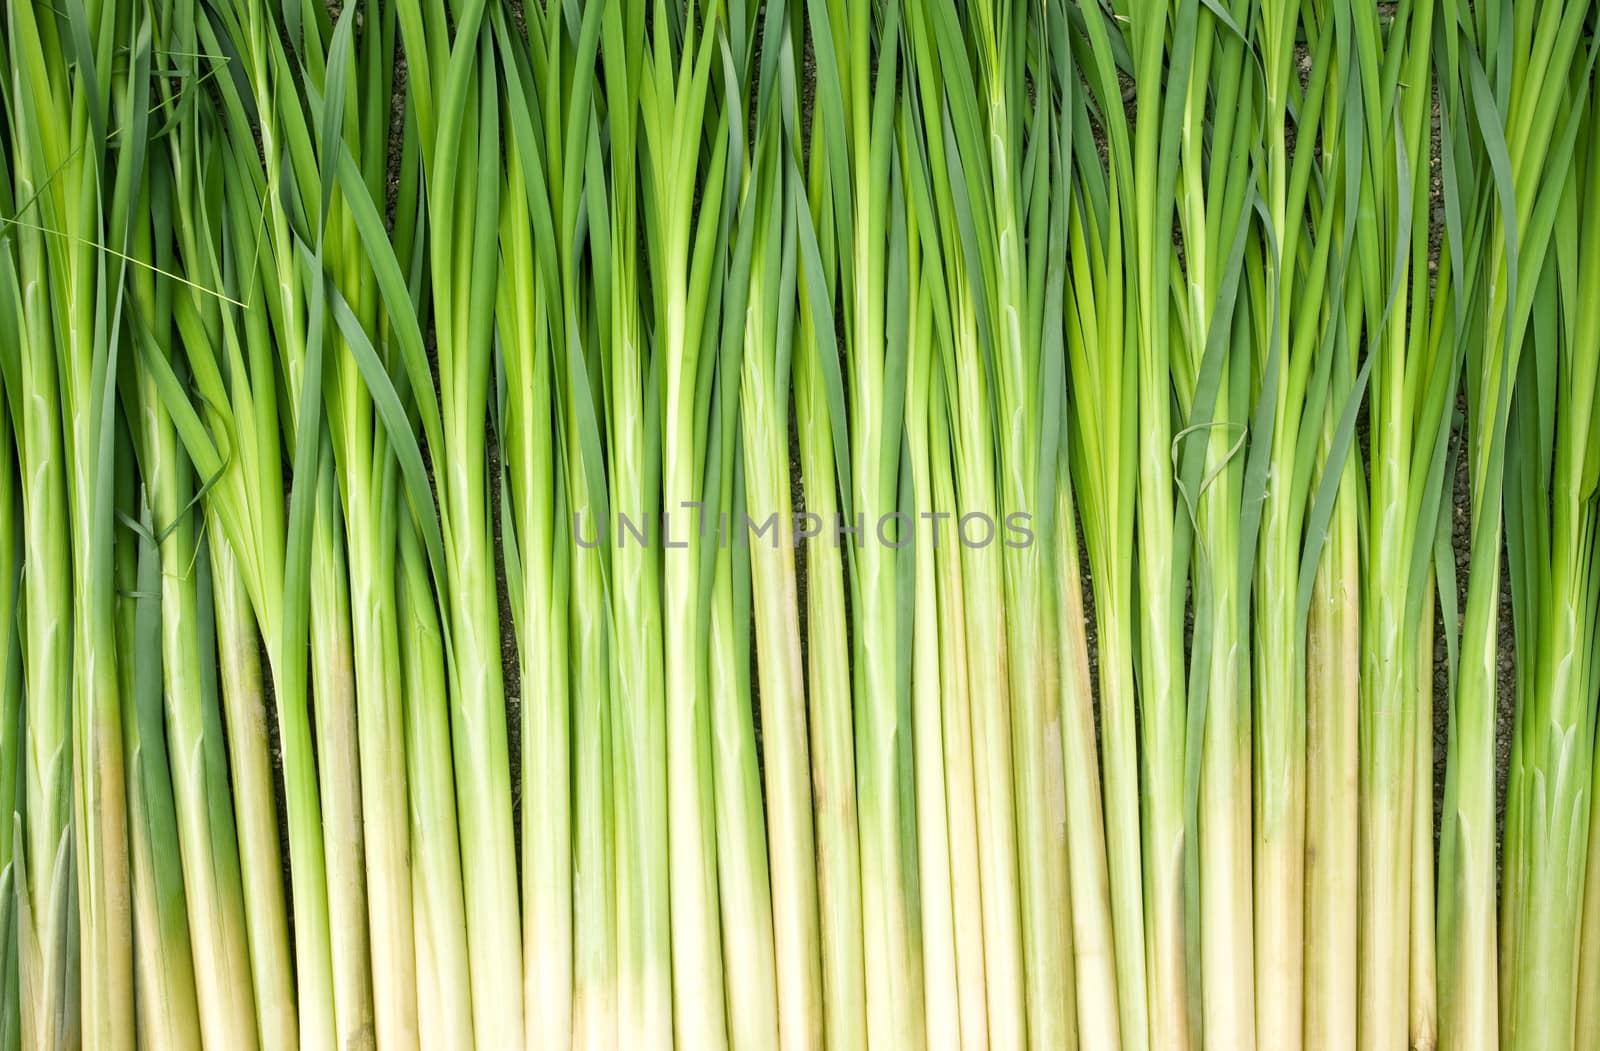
[1333, 707]
[1093, 950]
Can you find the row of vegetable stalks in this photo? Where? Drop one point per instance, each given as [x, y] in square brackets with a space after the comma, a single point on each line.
[815, 523]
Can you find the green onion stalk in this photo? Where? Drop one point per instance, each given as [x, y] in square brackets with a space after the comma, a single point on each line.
[943, 1001]
[453, 76]
[1023, 174]
[820, 427]
[983, 702]
[1092, 939]
[1148, 213]
[444, 993]
[755, 300]
[237, 384]
[1102, 419]
[839, 893]
[1008, 159]
[559, 591]
[1459, 315]
[414, 726]
[532, 333]
[592, 719]
[247, 716]
[1424, 983]
[594, 892]
[1528, 121]
[206, 841]
[1413, 374]
[1551, 525]
[367, 426]
[1587, 1018]
[1297, 261]
[765, 263]
[164, 985]
[962, 822]
[12, 738]
[43, 852]
[10, 993]
[443, 978]
[860, 98]
[1387, 681]
[78, 139]
[1143, 164]
[218, 270]
[333, 685]
[1473, 196]
[1301, 379]
[242, 493]
[1211, 374]
[966, 862]
[747, 936]
[1098, 1015]
[630, 409]
[90, 340]
[1329, 580]
[684, 154]
[1579, 457]
[744, 877]
[1093, 943]
[306, 251]
[979, 980]
[1332, 657]
[367, 429]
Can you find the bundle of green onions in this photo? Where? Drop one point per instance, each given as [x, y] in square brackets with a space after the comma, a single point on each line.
[799, 523]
